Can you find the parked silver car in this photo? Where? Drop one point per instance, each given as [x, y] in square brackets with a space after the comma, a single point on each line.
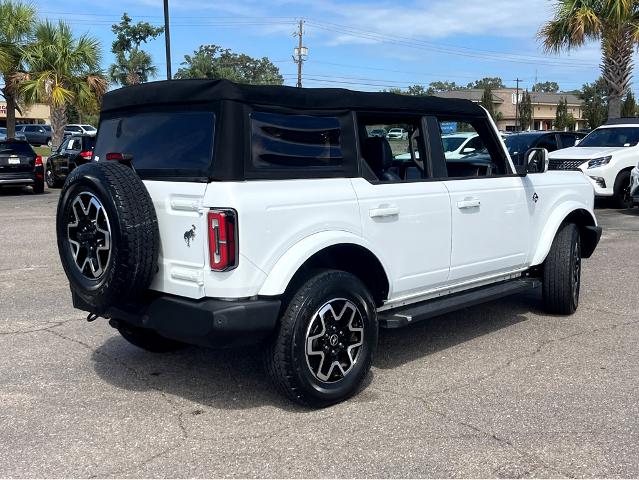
[3, 135]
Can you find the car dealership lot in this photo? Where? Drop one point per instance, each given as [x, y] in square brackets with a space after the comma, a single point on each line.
[497, 390]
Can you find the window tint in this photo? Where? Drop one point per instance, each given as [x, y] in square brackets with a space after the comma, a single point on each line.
[15, 148]
[162, 142]
[612, 137]
[549, 142]
[568, 140]
[88, 143]
[470, 149]
[395, 156]
[31, 128]
[73, 144]
[295, 141]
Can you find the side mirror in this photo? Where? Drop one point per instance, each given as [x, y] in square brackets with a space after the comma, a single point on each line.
[536, 160]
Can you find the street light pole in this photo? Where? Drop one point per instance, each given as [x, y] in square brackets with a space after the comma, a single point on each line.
[167, 39]
[517, 106]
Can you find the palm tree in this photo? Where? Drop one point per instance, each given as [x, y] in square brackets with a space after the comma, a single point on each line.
[16, 26]
[138, 68]
[62, 71]
[615, 23]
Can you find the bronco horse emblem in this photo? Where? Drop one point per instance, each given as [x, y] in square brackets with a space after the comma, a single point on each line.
[189, 235]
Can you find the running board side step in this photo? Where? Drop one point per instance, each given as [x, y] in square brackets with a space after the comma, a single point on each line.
[409, 314]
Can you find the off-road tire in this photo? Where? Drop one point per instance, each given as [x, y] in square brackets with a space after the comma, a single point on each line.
[148, 339]
[621, 197]
[134, 234]
[285, 355]
[562, 272]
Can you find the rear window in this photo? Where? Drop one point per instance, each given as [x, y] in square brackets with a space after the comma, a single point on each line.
[15, 148]
[161, 143]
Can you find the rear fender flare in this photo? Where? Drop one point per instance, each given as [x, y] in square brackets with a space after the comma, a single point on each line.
[288, 264]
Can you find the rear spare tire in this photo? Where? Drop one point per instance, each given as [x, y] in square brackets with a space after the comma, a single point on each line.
[108, 236]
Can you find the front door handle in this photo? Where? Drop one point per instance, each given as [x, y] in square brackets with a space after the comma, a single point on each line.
[468, 203]
[383, 211]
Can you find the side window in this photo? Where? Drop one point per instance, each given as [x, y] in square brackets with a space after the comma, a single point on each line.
[294, 142]
[63, 145]
[30, 128]
[568, 140]
[73, 143]
[549, 142]
[391, 147]
[470, 148]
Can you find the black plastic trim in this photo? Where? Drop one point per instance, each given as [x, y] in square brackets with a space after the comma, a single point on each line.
[207, 322]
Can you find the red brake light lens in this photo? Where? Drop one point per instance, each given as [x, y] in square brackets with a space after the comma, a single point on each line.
[38, 161]
[87, 154]
[222, 226]
[115, 156]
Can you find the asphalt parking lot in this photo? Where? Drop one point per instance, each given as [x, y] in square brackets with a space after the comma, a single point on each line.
[500, 390]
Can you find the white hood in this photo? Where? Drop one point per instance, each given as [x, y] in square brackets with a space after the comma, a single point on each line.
[585, 153]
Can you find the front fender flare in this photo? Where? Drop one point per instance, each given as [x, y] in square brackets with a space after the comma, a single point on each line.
[552, 226]
[288, 264]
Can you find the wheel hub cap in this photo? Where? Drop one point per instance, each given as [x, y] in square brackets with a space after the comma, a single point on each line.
[89, 235]
[334, 340]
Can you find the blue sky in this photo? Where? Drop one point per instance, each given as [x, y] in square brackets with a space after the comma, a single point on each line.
[364, 45]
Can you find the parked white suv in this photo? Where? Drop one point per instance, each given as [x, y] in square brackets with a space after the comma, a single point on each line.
[606, 155]
[221, 215]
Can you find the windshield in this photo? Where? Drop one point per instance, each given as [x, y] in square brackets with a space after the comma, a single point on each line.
[89, 128]
[452, 143]
[612, 137]
[519, 143]
[3, 131]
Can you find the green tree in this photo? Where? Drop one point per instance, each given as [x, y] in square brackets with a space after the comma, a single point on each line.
[546, 87]
[491, 82]
[132, 65]
[525, 111]
[595, 100]
[439, 87]
[564, 120]
[17, 21]
[487, 103]
[416, 90]
[615, 23]
[629, 106]
[62, 71]
[212, 61]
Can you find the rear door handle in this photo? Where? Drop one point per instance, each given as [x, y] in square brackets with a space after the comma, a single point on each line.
[468, 203]
[384, 211]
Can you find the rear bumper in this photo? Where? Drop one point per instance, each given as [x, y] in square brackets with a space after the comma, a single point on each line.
[207, 322]
[17, 178]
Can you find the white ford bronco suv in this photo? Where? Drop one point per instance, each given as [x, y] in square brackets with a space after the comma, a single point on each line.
[222, 215]
[607, 156]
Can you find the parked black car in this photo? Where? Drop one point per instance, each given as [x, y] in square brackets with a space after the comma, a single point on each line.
[75, 150]
[519, 143]
[20, 165]
[36, 134]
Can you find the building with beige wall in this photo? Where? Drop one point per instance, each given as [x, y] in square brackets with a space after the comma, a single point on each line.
[544, 106]
[36, 113]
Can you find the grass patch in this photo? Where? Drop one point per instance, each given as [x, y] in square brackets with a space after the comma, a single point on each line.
[44, 151]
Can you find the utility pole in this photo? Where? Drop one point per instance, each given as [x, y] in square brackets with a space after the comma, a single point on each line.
[300, 52]
[517, 106]
[167, 39]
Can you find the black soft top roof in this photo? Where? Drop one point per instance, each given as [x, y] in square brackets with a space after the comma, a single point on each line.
[205, 91]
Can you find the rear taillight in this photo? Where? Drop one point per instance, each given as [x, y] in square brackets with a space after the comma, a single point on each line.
[86, 155]
[222, 239]
[114, 156]
[38, 161]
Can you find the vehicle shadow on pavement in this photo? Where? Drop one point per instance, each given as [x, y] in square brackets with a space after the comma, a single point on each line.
[22, 191]
[397, 347]
[235, 379]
